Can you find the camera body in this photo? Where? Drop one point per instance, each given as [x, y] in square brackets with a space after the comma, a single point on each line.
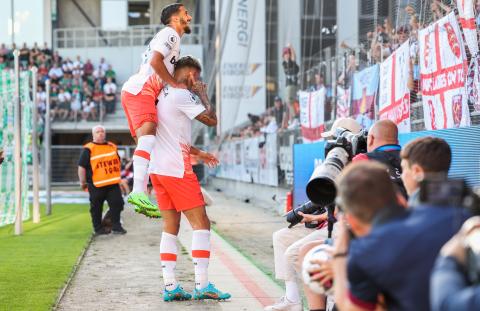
[339, 152]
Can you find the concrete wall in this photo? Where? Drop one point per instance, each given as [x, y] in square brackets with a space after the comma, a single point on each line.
[125, 60]
[70, 17]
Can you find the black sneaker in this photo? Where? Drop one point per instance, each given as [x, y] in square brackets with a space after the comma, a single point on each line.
[101, 231]
[119, 230]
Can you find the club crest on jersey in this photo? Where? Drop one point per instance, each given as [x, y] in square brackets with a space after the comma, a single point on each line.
[172, 39]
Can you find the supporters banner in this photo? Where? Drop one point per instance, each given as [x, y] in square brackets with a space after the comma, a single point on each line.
[364, 92]
[443, 69]
[7, 144]
[242, 64]
[473, 83]
[252, 160]
[343, 102]
[394, 97]
[312, 113]
[469, 26]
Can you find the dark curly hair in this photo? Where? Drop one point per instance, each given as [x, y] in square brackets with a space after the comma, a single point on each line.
[188, 61]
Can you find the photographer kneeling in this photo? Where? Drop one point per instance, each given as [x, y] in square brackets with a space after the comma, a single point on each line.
[394, 253]
[455, 283]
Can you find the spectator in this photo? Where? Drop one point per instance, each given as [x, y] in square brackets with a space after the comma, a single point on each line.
[3, 64]
[4, 50]
[1, 156]
[88, 109]
[24, 55]
[109, 90]
[98, 98]
[103, 65]
[76, 105]
[451, 287]
[64, 99]
[390, 241]
[46, 50]
[54, 107]
[55, 73]
[86, 90]
[291, 70]
[88, 68]
[110, 73]
[78, 64]
[67, 66]
[99, 73]
[41, 100]
[35, 53]
[280, 113]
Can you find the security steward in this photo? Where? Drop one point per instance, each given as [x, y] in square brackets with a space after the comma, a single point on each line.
[99, 172]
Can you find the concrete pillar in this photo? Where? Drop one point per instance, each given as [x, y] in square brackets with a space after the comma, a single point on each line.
[348, 14]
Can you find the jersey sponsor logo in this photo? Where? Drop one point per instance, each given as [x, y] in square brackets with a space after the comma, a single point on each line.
[168, 45]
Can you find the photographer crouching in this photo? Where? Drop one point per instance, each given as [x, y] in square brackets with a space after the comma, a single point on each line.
[391, 259]
[313, 227]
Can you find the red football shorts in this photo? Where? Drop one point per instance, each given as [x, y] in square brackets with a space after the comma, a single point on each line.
[178, 194]
[141, 108]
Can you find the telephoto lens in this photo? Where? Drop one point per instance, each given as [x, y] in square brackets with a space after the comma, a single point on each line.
[307, 208]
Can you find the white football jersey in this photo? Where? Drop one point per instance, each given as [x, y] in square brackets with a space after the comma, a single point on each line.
[176, 110]
[167, 43]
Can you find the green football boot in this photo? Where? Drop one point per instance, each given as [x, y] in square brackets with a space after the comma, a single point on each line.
[143, 205]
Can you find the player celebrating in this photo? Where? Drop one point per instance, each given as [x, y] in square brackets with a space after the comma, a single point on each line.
[175, 184]
[140, 92]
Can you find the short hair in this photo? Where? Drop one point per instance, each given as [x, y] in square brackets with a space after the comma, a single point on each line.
[96, 127]
[432, 154]
[188, 61]
[168, 11]
[364, 188]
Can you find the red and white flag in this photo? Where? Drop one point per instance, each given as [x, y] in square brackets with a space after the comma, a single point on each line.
[469, 26]
[312, 107]
[443, 70]
[394, 101]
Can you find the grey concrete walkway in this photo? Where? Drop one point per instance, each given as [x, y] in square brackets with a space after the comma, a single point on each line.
[124, 272]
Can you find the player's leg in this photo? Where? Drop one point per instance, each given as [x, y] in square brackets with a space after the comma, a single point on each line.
[168, 244]
[142, 120]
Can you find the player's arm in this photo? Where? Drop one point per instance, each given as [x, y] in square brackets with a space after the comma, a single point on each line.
[208, 117]
[207, 158]
[158, 65]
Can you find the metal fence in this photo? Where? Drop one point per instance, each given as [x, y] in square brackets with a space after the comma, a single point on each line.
[132, 36]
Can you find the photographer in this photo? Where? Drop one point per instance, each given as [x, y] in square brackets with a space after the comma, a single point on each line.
[451, 288]
[382, 146]
[288, 241]
[394, 253]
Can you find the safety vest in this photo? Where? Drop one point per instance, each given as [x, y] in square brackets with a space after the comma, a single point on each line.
[105, 164]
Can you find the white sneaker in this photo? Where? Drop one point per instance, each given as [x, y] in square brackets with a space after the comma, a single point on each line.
[285, 305]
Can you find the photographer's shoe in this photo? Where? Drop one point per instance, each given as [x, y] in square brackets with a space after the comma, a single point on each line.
[177, 294]
[285, 305]
[210, 292]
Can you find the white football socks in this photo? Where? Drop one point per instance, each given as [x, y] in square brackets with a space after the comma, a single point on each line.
[141, 159]
[201, 256]
[168, 256]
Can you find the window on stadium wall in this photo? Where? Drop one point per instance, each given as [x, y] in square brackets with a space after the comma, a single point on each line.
[138, 13]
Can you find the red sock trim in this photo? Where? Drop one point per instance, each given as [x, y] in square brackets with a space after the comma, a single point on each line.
[143, 154]
[200, 254]
[168, 257]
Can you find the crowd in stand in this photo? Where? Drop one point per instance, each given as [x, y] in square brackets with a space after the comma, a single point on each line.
[80, 89]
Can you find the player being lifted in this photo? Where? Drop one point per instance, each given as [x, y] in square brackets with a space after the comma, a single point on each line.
[140, 92]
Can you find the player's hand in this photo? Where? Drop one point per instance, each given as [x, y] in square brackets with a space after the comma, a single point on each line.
[199, 88]
[209, 159]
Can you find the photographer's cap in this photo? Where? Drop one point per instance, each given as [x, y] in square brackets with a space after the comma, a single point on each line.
[346, 123]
